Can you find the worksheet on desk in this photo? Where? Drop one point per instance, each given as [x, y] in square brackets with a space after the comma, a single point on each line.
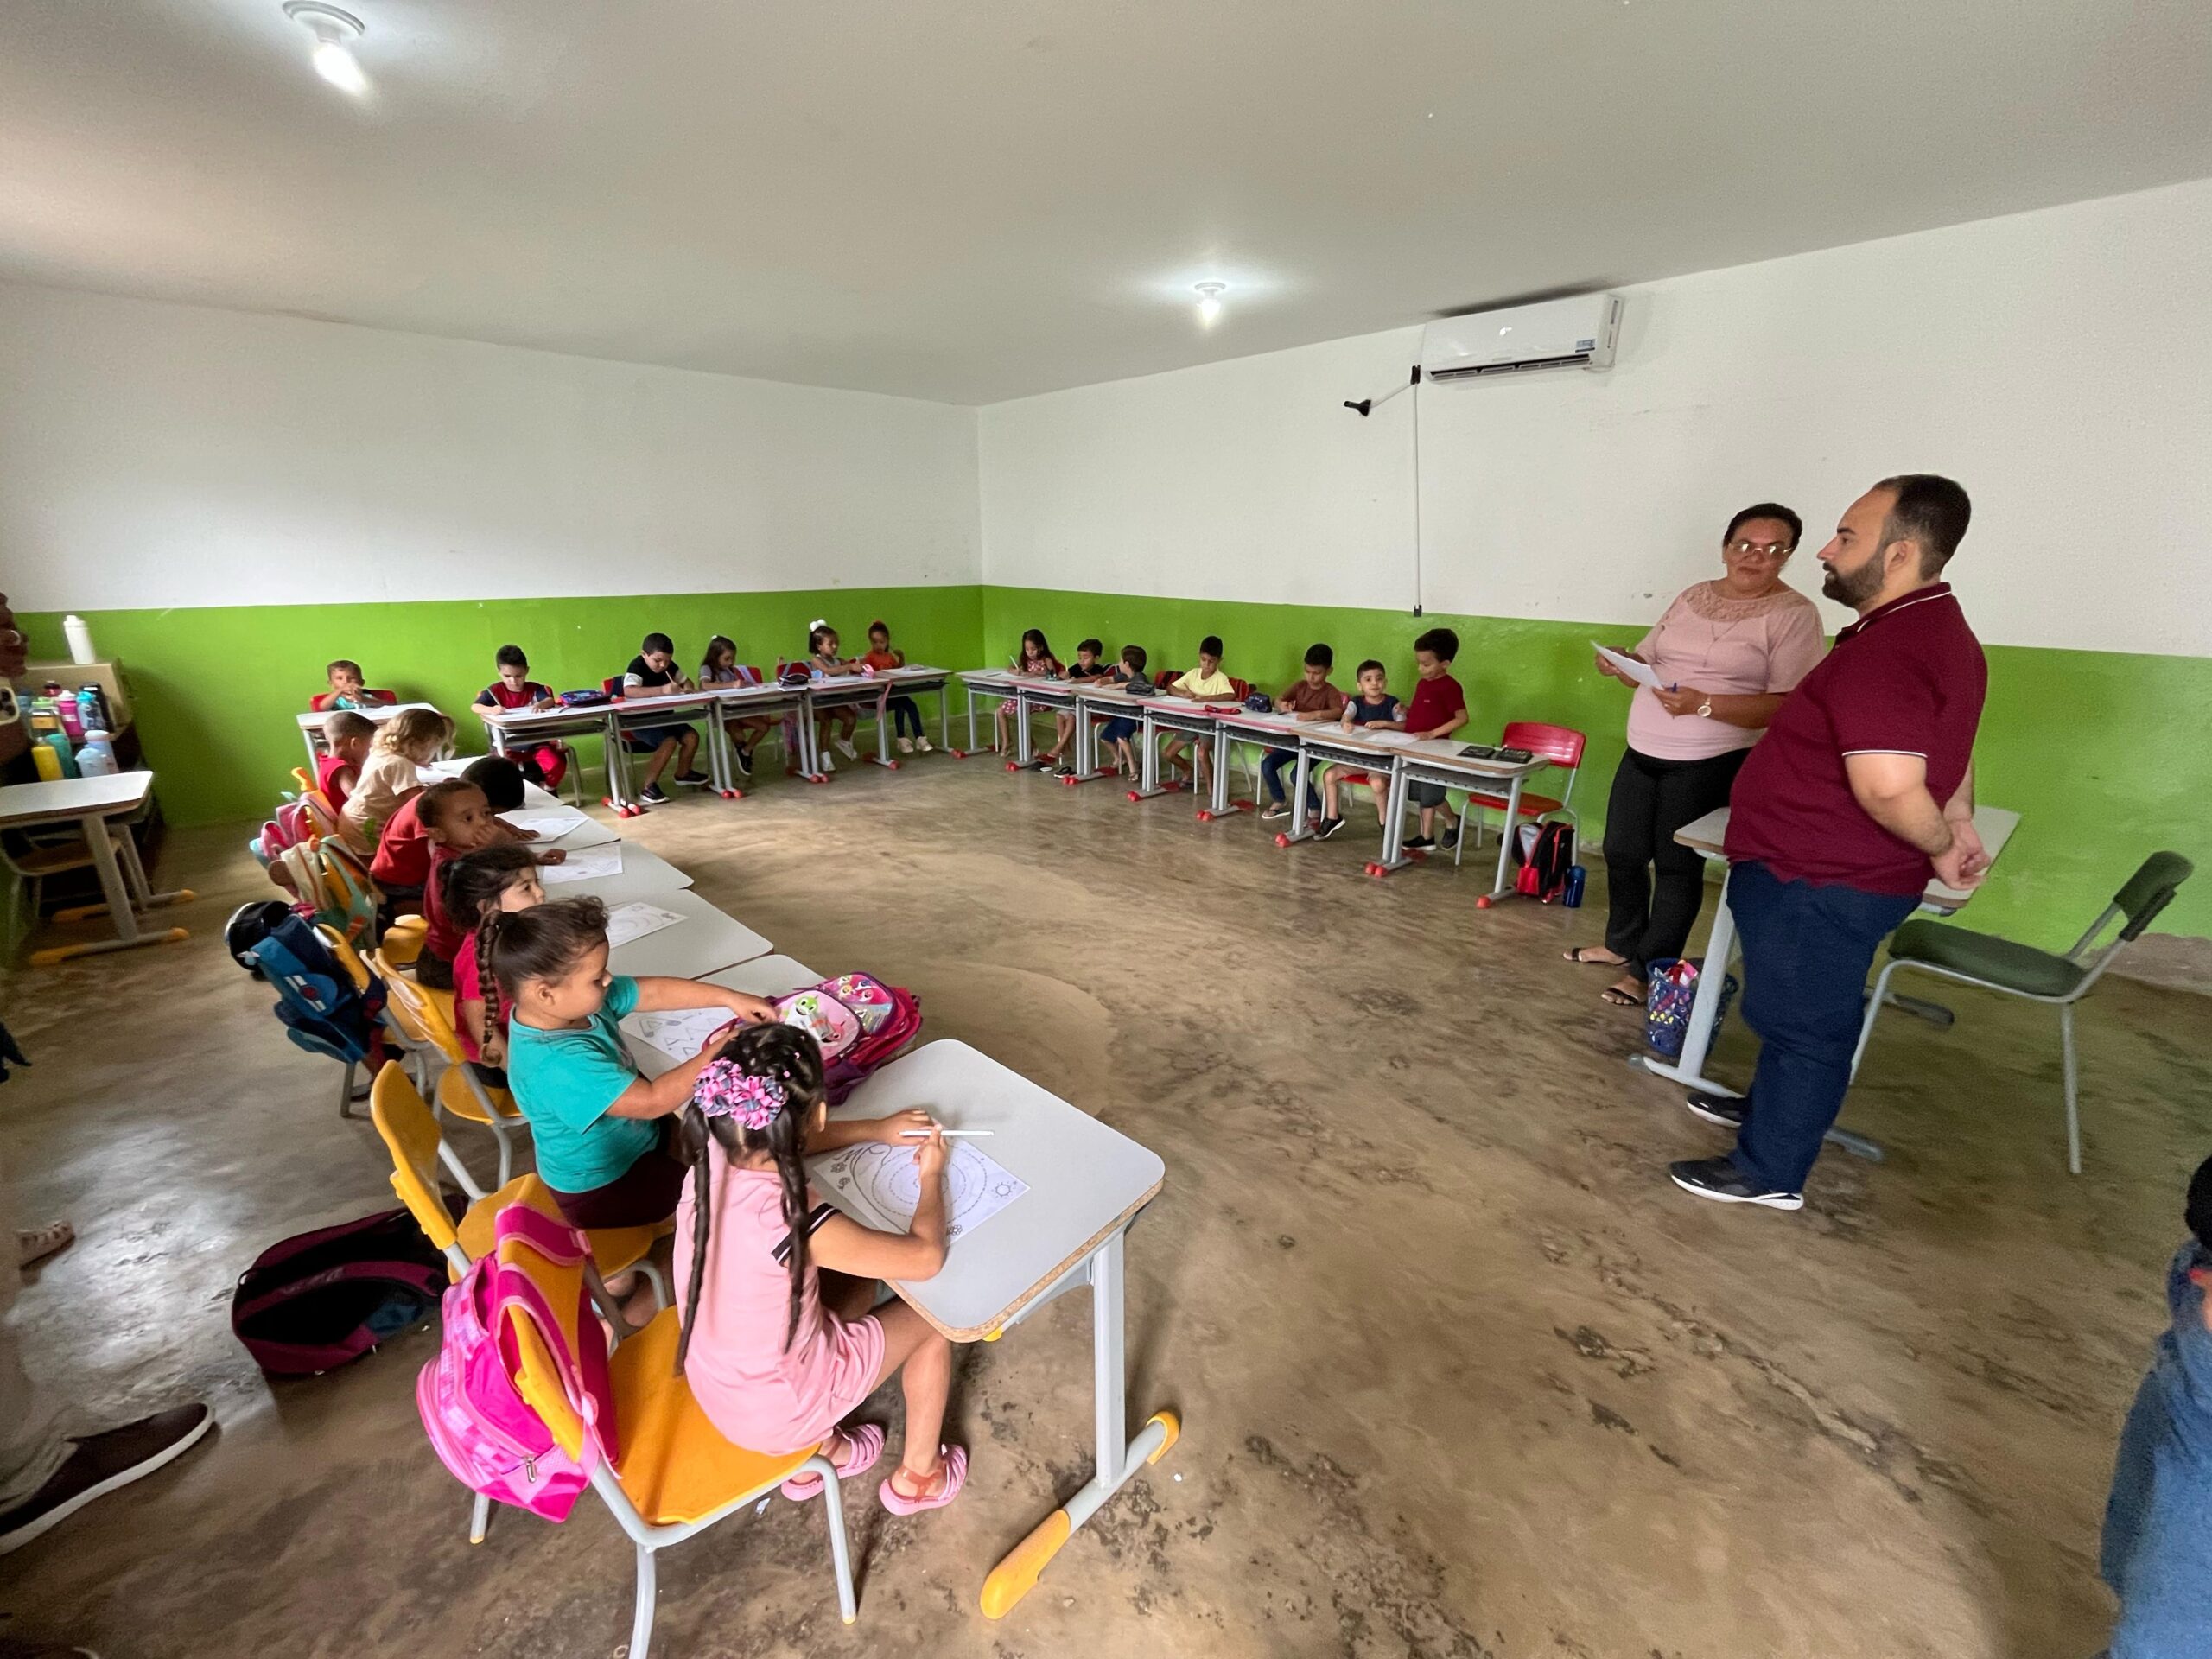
[1389, 737]
[681, 1032]
[883, 1187]
[548, 823]
[628, 923]
[587, 865]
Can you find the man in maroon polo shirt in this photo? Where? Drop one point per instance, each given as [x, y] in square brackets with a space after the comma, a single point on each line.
[1862, 790]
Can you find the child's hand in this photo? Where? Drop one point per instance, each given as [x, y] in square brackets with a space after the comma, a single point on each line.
[892, 1131]
[929, 1159]
[521, 834]
[553, 855]
[750, 1010]
[494, 1050]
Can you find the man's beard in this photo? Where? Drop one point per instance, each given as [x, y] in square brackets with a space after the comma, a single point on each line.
[1856, 589]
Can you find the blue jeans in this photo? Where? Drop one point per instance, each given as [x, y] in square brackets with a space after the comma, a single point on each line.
[1271, 767]
[1806, 952]
[905, 716]
[2158, 1538]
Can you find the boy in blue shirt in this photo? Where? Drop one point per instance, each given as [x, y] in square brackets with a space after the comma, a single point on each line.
[2158, 1542]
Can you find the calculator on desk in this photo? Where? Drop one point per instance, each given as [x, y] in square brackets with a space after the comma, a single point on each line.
[1514, 757]
[1477, 751]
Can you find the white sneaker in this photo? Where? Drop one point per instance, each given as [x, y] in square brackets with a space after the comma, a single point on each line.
[906, 745]
[923, 744]
[845, 748]
[827, 765]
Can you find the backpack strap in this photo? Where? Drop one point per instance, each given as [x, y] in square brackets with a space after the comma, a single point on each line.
[584, 1379]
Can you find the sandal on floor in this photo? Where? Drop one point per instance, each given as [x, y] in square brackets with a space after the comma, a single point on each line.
[1581, 960]
[863, 1445]
[1619, 998]
[36, 1243]
[951, 1476]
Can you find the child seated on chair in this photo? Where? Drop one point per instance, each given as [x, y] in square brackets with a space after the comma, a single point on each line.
[1034, 661]
[1088, 669]
[1116, 733]
[404, 744]
[1311, 699]
[1204, 683]
[823, 663]
[720, 666]
[1376, 709]
[905, 713]
[401, 865]
[547, 761]
[474, 889]
[2158, 1536]
[1438, 710]
[653, 670]
[782, 1339]
[346, 739]
[346, 689]
[600, 1128]
[457, 820]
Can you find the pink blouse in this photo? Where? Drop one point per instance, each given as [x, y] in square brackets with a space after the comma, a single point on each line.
[1737, 647]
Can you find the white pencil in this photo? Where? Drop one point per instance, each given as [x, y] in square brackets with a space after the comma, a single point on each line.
[950, 1134]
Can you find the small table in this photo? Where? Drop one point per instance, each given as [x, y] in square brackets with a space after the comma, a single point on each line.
[703, 942]
[769, 976]
[645, 874]
[311, 724]
[90, 802]
[1087, 1183]
[856, 691]
[1708, 835]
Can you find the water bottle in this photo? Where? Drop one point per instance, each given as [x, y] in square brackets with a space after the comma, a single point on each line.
[72, 715]
[57, 743]
[97, 757]
[91, 710]
[1571, 897]
[81, 641]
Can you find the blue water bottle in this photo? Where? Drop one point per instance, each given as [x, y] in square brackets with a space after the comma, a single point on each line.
[1571, 897]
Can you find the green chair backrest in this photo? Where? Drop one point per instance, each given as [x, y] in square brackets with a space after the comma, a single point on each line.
[2150, 890]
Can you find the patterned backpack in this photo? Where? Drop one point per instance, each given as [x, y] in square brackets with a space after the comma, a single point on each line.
[861, 1022]
[479, 1424]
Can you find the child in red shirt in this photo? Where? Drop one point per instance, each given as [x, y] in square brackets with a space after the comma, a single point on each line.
[904, 711]
[514, 688]
[474, 889]
[450, 818]
[1438, 710]
[346, 735]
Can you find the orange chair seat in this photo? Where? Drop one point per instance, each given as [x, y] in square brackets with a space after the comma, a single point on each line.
[402, 940]
[675, 1467]
[614, 1249]
[457, 1096]
[1532, 806]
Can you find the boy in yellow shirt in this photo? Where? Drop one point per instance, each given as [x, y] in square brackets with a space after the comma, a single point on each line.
[1204, 683]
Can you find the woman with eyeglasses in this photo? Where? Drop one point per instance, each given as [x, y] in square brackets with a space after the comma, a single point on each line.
[1726, 653]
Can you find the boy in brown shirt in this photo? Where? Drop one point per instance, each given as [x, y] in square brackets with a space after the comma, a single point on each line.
[1309, 698]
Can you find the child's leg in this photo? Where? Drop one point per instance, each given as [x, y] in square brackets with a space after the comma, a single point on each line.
[1327, 787]
[1001, 714]
[662, 756]
[1271, 767]
[849, 721]
[689, 747]
[923, 1359]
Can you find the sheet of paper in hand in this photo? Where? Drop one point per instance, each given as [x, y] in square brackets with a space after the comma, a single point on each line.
[679, 1032]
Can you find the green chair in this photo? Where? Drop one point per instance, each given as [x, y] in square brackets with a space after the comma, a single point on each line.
[2021, 970]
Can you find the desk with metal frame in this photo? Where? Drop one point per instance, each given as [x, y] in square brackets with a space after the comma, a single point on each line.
[311, 724]
[860, 692]
[1438, 761]
[89, 803]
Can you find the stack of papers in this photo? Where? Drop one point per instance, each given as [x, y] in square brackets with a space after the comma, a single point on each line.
[586, 865]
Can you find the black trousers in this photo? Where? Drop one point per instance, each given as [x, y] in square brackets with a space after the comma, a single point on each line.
[1655, 886]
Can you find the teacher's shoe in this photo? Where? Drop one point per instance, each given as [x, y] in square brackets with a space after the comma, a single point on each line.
[99, 1464]
[1720, 1179]
[1723, 1109]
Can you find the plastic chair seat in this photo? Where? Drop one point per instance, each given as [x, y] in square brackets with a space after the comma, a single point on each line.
[402, 940]
[1983, 956]
[59, 858]
[455, 1096]
[675, 1467]
[614, 1249]
[1532, 806]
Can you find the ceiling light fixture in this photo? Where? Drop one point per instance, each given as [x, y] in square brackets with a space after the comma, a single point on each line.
[1209, 301]
[332, 29]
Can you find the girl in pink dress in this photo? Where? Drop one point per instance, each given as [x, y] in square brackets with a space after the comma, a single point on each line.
[779, 1345]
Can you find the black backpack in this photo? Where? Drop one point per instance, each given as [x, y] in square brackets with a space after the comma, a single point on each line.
[1545, 860]
[322, 1300]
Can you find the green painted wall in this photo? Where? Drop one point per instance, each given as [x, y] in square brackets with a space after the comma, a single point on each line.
[2103, 754]
[216, 691]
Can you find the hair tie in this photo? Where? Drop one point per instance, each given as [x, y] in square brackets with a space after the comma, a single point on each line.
[819, 622]
[725, 1090]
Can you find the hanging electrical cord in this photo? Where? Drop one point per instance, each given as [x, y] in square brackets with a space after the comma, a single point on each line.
[1365, 406]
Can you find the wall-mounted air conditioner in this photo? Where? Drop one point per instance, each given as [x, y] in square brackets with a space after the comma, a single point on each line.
[1579, 333]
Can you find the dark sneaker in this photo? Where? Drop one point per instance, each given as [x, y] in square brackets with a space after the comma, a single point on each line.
[1720, 1179]
[1717, 1108]
[1279, 810]
[1327, 827]
[744, 762]
[1418, 844]
[694, 779]
[100, 1464]
[1043, 763]
[654, 795]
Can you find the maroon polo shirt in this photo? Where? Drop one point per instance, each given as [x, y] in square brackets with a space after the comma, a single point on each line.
[1908, 678]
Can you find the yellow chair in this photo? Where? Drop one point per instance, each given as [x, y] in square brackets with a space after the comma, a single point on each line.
[425, 1018]
[322, 817]
[358, 971]
[677, 1475]
[305, 779]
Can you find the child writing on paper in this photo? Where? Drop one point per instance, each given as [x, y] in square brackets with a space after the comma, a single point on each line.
[720, 666]
[458, 821]
[782, 1339]
[490, 881]
[1035, 661]
[652, 672]
[1438, 710]
[1312, 699]
[904, 710]
[1088, 669]
[514, 688]
[346, 737]
[1206, 683]
[1116, 733]
[1377, 710]
[404, 744]
[836, 725]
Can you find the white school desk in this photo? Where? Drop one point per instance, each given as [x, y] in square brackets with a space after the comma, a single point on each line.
[875, 692]
[1708, 835]
[1025, 692]
[770, 700]
[311, 724]
[1087, 1182]
[704, 942]
[1438, 761]
[769, 976]
[89, 803]
[645, 874]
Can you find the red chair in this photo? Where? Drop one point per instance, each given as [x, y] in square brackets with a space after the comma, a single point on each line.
[1560, 744]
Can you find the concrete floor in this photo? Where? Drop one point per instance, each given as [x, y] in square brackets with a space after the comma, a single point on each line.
[1460, 1373]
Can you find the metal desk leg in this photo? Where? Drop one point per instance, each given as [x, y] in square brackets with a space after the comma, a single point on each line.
[1394, 822]
[1119, 1457]
[720, 771]
[1504, 882]
[973, 744]
[883, 730]
[618, 794]
[1301, 827]
[117, 891]
[1217, 805]
[944, 717]
[1024, 749]
[1705, 1012]
[1148, 766]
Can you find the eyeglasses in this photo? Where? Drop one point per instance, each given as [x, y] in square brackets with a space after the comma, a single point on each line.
[1761, 549]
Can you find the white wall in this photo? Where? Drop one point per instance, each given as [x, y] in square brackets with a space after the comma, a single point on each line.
[2059, 363]
[155, 455]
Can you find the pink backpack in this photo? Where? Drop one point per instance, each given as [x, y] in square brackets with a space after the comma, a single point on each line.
[479, 1424]
[860, 1021]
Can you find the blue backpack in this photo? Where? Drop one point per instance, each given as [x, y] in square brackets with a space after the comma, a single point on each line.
[318, 1005]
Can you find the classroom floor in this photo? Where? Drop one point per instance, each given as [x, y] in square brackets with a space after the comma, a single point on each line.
[1460, 1373]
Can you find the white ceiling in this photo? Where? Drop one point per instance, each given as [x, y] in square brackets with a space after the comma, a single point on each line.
[978, 199]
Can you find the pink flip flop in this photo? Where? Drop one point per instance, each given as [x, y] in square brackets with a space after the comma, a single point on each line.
[952, 1475]
[863, 1445]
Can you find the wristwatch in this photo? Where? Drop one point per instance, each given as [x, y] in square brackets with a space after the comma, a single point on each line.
[1705, 710]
